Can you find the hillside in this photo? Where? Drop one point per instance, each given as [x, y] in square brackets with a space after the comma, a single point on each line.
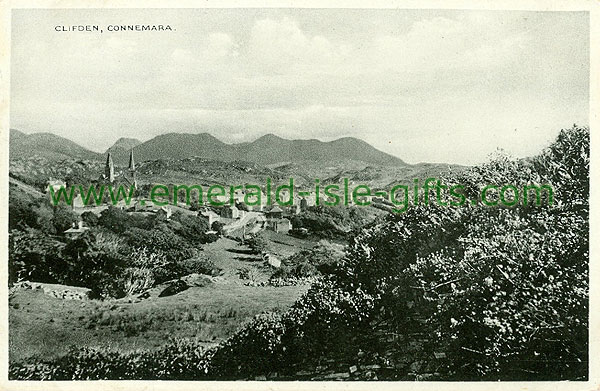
[268, 149]
[124, 144]
[47, 145]
[271, 149]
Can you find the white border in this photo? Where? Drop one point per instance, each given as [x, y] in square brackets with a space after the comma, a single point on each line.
[522, 5]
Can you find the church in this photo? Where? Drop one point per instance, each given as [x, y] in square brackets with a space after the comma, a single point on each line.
[110, 176]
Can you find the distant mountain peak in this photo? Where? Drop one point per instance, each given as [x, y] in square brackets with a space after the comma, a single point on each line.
[14, 133]
[125, 143]
[48, 145]
[269, 137]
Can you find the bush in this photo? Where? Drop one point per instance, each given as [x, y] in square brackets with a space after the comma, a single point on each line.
[248, 273]
[200, 265]
[504, 291]
[333, 221]
[142, 271]
[35, 256]
[258, 243]
[193, 229]
[89, 218]
[323, 258]
[63, 218]
[161, 239]
[177, 360]
[95, 259]
[114, 219]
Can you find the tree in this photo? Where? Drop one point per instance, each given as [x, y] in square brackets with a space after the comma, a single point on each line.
[114, 219]
[44, 218]
[35, 256]
[21, 210]
[258, 243]
[90, 218]
[63, 218]
[96, 260]
[217, 226]
[193, 228]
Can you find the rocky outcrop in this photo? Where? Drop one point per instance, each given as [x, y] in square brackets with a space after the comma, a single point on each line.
[56, 290]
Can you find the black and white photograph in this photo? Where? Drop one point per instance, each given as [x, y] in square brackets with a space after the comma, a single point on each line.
[298, 194]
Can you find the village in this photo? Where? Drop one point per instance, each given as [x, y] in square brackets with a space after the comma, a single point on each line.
[230, 215]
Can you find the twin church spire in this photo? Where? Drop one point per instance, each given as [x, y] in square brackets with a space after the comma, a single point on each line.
[109, 169]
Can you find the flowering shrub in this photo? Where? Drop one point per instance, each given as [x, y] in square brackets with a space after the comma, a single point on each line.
[504, 291]
[177, 360]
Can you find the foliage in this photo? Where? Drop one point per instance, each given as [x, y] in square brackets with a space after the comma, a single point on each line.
[250, 273]
[323, 258]
[142, 270]
[278, 342]
[200, 265]
[503, 290]
[217, 226]
[89, 218]
[63, 218]
[34, 256]
[114, 219]
[177, 360]
[30, 212]
[161, 239]
[193, 228]
[258, 243]
[332, 221]
[95, 258]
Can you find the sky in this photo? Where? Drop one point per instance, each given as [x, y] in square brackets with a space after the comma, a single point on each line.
[423, 85]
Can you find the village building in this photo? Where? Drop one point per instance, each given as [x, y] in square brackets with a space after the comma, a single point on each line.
[209, 216]
[77, 202]
[217, 200]
[76, 230]
[230, 212]
[142, 205]
[56, 185]
[279, 225]
[275, 213]
[255, 202]
[238, 196]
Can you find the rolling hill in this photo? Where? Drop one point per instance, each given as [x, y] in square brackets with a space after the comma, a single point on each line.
[47, 145]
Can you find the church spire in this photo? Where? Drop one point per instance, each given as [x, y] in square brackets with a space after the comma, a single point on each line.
[132, 168]
[131, 161]
[109, 169]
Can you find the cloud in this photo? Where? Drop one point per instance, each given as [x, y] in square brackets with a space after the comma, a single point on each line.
[281, 46]
[399, 83]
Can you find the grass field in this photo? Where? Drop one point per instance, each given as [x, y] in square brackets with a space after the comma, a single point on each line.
[42, 327]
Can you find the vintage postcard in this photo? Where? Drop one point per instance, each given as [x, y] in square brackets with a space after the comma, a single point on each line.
[330, 195]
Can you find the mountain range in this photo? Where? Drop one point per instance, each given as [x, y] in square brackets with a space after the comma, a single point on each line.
[268, 149]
